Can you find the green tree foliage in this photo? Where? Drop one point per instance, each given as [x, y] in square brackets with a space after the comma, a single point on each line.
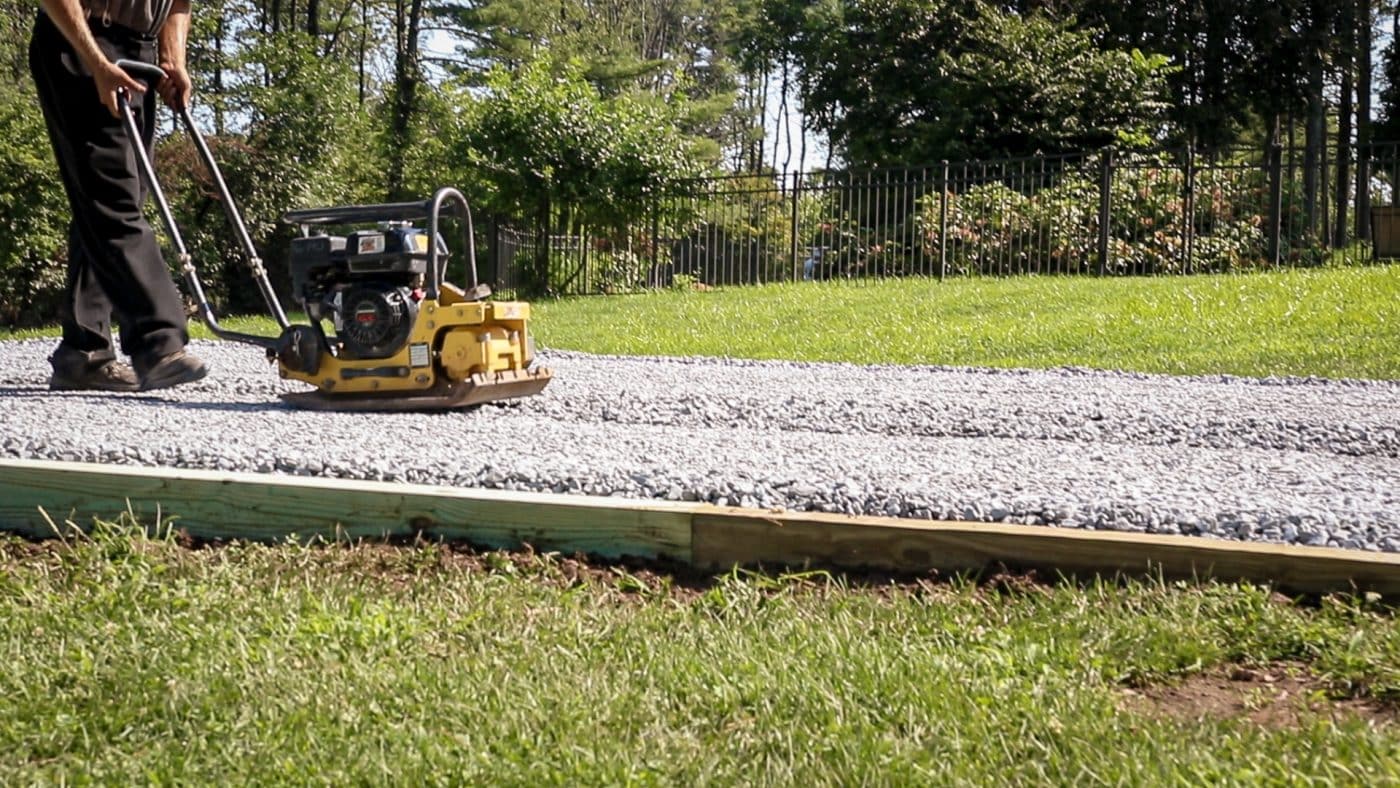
[16, 17]
[1387, 129]
[306, 143]
[547, 145]
[33, 215]
[1212, 45]
[1030, 85]
[656, 47]
[1239, 64]
[659, 46]
[33, 209]
[545, 135]
[915, 81]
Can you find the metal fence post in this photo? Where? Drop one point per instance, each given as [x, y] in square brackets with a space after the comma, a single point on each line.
[538, 281]
[656, 279]
[1363, 191]
[793, 233]
[1274, 163]
[1188, 208]
[1324, 196]
[1105, 198]
[943, 223]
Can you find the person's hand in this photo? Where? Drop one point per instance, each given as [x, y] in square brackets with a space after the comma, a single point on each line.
[109, 80]
[176, 88]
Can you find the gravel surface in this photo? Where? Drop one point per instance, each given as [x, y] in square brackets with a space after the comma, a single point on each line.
[1298, 460]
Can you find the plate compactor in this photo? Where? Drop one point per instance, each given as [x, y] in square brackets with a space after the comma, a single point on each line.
[401, 338]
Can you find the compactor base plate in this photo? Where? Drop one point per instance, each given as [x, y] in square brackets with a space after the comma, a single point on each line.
[448, 395]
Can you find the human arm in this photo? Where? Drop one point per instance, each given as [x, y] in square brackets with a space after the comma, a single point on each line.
[68, 17]
[177, 86]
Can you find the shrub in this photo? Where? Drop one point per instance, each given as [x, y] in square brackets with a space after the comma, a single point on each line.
[549, 147]
[33, 217]
[992, 228]
[620, 271]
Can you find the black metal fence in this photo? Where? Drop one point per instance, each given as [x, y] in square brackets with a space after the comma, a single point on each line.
[1170, 211]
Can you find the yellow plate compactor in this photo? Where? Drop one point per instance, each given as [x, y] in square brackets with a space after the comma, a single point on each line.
[386, 332]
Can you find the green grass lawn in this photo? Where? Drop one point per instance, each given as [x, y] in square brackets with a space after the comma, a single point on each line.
[1330, 322]
[130, 660]
[1335, 322]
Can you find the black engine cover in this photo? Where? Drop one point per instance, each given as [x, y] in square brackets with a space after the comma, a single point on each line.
[376, 319]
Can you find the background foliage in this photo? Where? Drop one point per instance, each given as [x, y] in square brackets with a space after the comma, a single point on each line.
[33, 216]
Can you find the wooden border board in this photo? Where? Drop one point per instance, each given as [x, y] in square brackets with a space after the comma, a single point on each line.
[266, 507]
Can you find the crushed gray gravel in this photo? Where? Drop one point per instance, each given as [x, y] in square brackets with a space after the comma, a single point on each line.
[1304, 461]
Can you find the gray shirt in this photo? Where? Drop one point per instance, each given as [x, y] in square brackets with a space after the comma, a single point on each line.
[141, 16]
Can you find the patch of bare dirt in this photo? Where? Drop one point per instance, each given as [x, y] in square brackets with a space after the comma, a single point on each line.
[401, 562]
[652, 577]
[1282, 696]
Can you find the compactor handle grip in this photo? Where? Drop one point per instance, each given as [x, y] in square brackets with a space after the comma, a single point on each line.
[139, 70]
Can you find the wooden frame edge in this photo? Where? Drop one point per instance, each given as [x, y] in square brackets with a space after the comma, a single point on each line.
[266, 507]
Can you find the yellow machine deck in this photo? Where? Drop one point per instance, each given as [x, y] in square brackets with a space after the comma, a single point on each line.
[476, 356]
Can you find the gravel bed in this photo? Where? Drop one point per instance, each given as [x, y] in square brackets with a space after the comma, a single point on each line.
[1306, 461]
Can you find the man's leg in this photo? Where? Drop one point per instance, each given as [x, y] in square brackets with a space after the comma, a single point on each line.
[104, 189]
[85, 359]
[87, 312]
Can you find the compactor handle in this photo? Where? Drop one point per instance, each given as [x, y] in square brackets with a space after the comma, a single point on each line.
[151, 73]
[443, 198]
[361, 214]
[139, 70]
[446, 201]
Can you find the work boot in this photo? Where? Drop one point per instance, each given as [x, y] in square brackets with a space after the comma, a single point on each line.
[169, 370]
[107, 375]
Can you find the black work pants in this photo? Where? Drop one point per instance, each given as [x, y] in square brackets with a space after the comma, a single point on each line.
[114, 261]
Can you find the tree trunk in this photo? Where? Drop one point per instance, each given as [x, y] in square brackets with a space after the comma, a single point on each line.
[1346, 58]
[1365, 21]
[763, 122]
[1214, 84]
[1342, 189]
[1314, 129]
[364, 38]
[313, 18]
[781, 120]
[407, 21]
[219, 29]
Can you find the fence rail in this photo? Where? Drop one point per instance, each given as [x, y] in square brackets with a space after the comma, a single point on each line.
[1168, 211]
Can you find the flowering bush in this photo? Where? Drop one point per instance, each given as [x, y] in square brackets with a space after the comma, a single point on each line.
[993, 228]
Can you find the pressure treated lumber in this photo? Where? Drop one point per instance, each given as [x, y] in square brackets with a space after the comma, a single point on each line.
[726, 538]
[220, 505]
[264, 507]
